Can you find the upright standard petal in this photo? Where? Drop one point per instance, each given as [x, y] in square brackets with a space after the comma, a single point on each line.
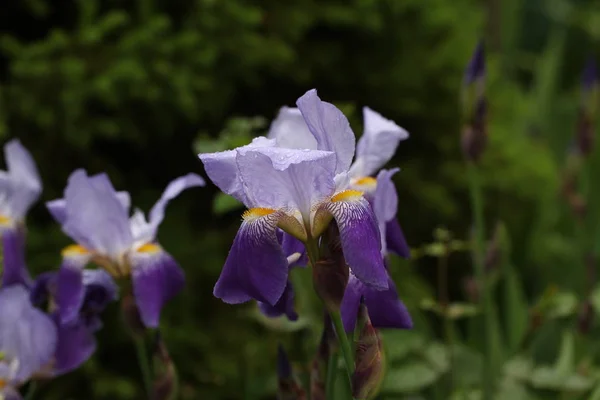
[256, 267]
[360, 237]
[26, 333]
[386, 310]
[58, 207]
[290, 130]
[286, 178]
[330, 127]
[385, 203]
[13, 252]
[221, 168]
[96, 218]
[178, 185]
[156, 279]
[377, 145]
[24, 174]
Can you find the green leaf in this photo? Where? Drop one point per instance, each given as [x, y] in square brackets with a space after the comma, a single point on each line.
[400, 344]
[223, 203]
[519, 368]
[409, 378]
[438, 356]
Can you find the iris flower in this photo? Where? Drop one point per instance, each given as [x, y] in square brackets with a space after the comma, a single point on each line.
[297, 182]
[97, 217]
[20, 186]
[28, 339]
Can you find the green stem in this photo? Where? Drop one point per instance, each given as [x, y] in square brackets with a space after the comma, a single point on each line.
[31, 391]
[331, 374]
[312, 250]
[144, 362]
[336, 317]
[477, 209]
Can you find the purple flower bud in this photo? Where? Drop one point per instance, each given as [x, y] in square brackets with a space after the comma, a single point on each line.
[474, 137]
[369, 362]
[289, 389]
[165, 382]
[331, 273]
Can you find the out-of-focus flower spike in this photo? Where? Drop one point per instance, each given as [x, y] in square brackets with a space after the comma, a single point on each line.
[166, 383]
[288, 387]
[369, 362]
[475, 70]
[475, 106]
[588, 108]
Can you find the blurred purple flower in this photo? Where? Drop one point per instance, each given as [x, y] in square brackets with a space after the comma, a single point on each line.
[298, 188]
[589, 78]
[96, 217]
[28, 339]
[20, 187]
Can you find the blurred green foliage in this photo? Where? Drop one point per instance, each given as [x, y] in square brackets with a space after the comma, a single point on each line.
[136, 87]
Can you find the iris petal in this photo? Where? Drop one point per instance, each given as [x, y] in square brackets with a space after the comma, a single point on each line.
[360, 237]
[156, 279]
[256, 267]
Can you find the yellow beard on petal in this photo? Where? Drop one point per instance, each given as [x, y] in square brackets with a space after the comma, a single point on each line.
[347, 195]
[366, 184]
[149, 248]
[74, 250]
[4, 220]
[254, 213]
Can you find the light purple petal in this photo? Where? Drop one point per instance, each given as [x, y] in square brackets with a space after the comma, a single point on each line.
[330, 127]
[70, 290]
[178, 185]
[10, 393]
[13, 252]
[385, 202]
[360, 237]
[395, 239]
[284, 178]
[290, 130]
[156, 279]
[222, 168]
[377, 145]
[27, 184]
[76, 344]
[256, 267]
[290, 246]
[284, 306]
[95, 217]
[26, 333]
[58, 207]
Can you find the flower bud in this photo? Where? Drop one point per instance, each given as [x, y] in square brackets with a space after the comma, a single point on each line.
[587, 109]
[474, 107]
[369, 362]
[165, 385]
[331, 273]
[289, 389]
[131, 316]
[474, 136]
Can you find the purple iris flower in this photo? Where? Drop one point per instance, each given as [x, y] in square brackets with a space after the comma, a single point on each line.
[76, 341]
[97, 217]
[374, 149]
[20, 187]
[297, 188]
[28, 339]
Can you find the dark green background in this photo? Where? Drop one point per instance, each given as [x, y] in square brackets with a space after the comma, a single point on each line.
[137, 87]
